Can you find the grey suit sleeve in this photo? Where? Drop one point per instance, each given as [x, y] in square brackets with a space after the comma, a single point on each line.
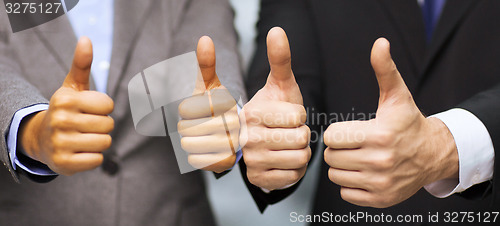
[15, 92]
[213, 18]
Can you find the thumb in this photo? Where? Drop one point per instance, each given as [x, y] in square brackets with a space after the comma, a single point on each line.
[78, 76]
[390, 82]
[205, 53]
[278, 53]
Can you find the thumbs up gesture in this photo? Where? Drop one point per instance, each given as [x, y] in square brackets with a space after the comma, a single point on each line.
[276, 140]
[71, 135]
[384, 161]
[210, 124]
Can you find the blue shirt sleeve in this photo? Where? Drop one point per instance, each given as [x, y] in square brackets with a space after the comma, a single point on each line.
[29, 165]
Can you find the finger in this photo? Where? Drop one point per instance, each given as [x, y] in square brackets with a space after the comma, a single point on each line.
[201, 106]
[85, 123]
[216, 143]
[389, 79]
[84, 142]
[346, 178]
[212, 161]
[283, 139]
[347, 135]
[209, 125]
[276, 114]
[283, 159]
[206, 59]
[93, 102]
[356, 196]
[276, 178]
[279, 55]
[78, 76]
[84, 161]
[345, 159]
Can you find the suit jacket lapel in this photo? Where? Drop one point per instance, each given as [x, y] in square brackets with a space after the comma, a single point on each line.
[60, 40]
[128, 19]
[407, 18]
[453, 13]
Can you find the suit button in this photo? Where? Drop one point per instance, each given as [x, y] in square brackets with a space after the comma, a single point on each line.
[110, 165]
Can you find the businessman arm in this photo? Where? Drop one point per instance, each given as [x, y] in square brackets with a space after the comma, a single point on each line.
[15, 92]
[293, 16]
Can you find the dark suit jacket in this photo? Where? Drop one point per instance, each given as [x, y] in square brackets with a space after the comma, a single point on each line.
[331, 42]
[147, 188]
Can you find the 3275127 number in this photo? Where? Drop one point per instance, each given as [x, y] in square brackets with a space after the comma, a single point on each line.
[32, 8]
[470, 217]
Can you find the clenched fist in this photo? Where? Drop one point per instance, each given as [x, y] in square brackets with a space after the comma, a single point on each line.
[71, 135]
[210, 125]
[274, 136]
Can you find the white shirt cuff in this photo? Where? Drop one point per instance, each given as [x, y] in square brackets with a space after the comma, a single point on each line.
[476, 154]
[283, 188]
[35, 169]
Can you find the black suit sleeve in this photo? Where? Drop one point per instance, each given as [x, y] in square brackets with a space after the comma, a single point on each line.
[486, 106]
[293, 16]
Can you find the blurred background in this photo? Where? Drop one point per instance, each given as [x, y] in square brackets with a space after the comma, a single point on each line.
[231, 202]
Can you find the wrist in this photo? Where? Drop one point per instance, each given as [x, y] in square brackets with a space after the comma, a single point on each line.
[443, 150]
[29, 132]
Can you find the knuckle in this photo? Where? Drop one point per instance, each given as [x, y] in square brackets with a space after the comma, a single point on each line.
[182, 108]
[384, 161]
[196, 162]
[100, 159]
[384, 138]
[110, 124]
[60, 161]
[382, 183]
[58, 140]
[254, 177]
[327, 136]
[251, 114]
[305, 135]
[295, 176]
[107, 142]
[60, 119]
[344, 194]
[294, 117]
[304, 157]
[327, 158]
[62, 101]
[96, 161]
[109, 104]
[251, 159]
[253, 137]
[301, 114]
[331, 175]
[185, 143]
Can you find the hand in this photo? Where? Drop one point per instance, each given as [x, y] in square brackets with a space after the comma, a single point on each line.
[384, 161]
[276, 139]
[72, 134]
[210, 125]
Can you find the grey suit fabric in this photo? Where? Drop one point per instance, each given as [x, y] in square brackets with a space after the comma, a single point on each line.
[148, 188]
